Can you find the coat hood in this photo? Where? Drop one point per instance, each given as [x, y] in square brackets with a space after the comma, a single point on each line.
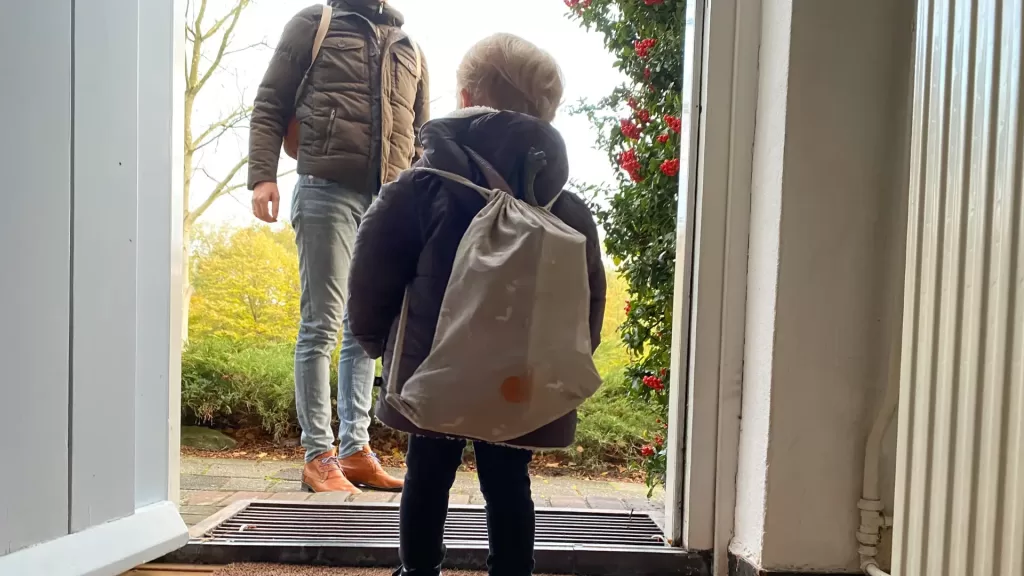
[371, 10]
[505, 140]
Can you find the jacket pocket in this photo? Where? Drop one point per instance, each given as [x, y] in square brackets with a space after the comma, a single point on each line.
[330, 130]
[343, 59]
[404, 80]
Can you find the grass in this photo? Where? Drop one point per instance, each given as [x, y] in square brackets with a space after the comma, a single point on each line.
[612, 428]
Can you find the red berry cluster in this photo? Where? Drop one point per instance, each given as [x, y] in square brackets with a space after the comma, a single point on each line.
[670, 168]
[654, 2]
[643, 116]
[659, 440]
[674, 123]
[654, 383]
[632, 103]
[579, 3]
[628, 307]
[629, 162]
[647, 451]
[629, 129]
[643, 47]
[663, 138]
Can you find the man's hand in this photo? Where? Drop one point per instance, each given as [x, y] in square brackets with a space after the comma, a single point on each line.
[263, 195]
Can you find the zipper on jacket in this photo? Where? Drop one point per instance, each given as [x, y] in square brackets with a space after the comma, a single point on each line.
[330, 129]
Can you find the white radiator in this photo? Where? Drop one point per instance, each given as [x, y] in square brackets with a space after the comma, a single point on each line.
[960, 477]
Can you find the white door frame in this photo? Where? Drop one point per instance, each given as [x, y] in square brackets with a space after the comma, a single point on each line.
[682, 297]
[161, 252]
[702, 471]
[124, 329]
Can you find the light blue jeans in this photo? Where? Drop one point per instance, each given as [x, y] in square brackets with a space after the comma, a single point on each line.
[325, 217]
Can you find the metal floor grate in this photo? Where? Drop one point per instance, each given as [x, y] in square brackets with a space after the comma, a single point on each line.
[594, 543]
[268, 521]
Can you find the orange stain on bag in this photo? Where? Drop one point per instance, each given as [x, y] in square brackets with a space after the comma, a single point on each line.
[516, 390]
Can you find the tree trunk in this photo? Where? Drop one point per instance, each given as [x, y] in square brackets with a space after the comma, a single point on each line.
[186, 229]
[186, 281]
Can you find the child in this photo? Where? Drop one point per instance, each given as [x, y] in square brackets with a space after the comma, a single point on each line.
[508, 92]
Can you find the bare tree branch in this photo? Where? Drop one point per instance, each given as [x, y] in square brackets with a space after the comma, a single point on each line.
[237, 201]
[227, 191]
[197, 47]
[216, 137]
[206, 173]
[220, 22]
[225, 40]
[222, 187]
[223, 125]
[260, 44]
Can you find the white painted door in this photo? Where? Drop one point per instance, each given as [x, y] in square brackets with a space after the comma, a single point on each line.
[90, 225]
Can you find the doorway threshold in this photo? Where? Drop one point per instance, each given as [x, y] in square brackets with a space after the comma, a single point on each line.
[569, 541]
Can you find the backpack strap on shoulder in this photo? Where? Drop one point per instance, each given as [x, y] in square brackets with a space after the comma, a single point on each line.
[318, 42]
[458, 179]
[321, 31]
[551, 204]
[494, 179]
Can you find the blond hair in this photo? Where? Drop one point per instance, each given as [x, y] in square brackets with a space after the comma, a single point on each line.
[508, 73]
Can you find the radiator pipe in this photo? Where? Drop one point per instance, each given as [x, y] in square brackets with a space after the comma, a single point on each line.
[872, 517]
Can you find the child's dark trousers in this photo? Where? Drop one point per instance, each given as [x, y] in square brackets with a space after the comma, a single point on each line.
[505, 482]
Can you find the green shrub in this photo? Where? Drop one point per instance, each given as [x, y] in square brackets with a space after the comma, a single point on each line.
[231, 382]
[612, 428]
[225, 380]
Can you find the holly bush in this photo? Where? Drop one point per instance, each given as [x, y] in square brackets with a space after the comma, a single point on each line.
[639, 127]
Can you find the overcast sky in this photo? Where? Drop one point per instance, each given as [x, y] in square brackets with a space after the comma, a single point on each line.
[444, 29]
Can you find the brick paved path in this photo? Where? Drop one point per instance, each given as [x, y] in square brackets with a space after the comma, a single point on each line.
[207, 485]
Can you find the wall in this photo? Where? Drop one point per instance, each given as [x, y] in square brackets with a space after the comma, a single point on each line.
[825, 258]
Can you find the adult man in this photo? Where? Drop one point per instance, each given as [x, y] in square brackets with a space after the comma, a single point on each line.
[359, 107]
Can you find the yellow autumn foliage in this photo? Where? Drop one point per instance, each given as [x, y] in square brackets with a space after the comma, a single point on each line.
[247, 289]
[246, 283]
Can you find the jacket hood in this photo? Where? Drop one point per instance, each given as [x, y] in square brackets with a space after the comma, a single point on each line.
[505, 140]
[371, 10]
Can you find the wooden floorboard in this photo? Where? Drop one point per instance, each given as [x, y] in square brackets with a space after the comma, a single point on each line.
[172, 570]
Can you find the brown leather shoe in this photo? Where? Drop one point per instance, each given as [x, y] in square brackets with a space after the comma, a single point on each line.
[363, 469]
[324, 474]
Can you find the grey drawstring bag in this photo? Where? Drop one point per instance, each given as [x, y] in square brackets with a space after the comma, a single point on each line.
[511, 352]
